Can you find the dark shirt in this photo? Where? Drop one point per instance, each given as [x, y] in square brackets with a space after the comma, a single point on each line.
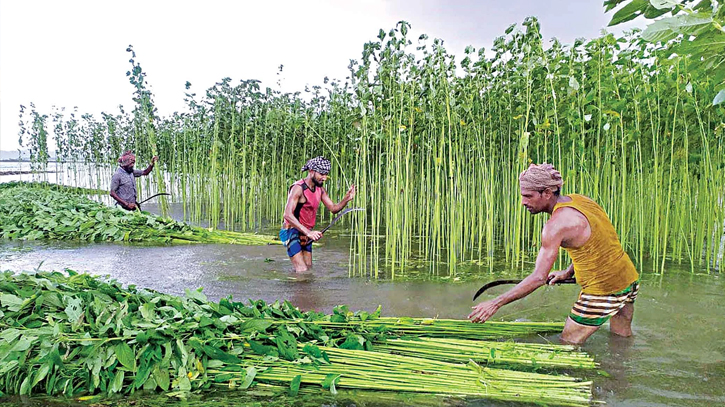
[124, 184]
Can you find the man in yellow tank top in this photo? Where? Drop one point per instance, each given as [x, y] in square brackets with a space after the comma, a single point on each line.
[605, 272]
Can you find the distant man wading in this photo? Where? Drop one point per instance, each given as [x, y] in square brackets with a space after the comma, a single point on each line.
[607, 275]
[300, 212]
[123, 183]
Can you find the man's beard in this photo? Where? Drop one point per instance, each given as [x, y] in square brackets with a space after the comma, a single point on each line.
[317, 183]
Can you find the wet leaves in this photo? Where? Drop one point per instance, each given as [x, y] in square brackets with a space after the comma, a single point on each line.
[69, 333]
[31, 212]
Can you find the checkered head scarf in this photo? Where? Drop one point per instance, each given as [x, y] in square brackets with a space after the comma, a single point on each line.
[318, 164]
[539, 177]
[126, 158]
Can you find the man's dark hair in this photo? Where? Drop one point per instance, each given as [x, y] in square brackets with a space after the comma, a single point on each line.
[556, 193]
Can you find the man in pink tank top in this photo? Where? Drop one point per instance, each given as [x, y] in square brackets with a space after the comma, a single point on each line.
[300, 213]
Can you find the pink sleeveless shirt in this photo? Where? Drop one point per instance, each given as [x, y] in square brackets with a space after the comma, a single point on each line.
[307, 212]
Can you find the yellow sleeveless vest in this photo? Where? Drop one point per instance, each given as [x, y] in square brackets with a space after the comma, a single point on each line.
[600, 266]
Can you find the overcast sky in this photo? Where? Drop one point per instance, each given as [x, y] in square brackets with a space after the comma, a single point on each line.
[73, 53]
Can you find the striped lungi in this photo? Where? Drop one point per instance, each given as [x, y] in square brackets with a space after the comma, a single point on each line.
[594, 310]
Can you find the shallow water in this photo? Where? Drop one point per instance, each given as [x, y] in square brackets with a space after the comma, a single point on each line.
[676, 357]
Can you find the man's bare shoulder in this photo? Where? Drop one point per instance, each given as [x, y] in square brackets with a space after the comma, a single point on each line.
[566, 219]
[295, 191]
[568, 216]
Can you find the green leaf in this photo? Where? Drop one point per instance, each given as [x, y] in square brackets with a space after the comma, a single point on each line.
[719, 98]
[195, 295]
[12, 302]
[205, 321]
[664, 4]
[629, 12]
[255, 325]
[8, 367]
[216, 353]
[249, 376]
[24, 343]
[26, 387]
[142, 375]
[223, 377]
[161, 376]
[73, 309]
[354, 342]
[329, 382]
[264, 350]
[40, 374]
[184, 383]
[147, 311]
[667, 28]
[573, 83]
[312, 350]
[376, 314]
[150, 384]
[125, 355]
[337, 318]
[9, 335]
[294, 386]
[603, 373]
[117, 384]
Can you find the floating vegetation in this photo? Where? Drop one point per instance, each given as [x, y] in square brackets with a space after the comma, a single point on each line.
[29, 212]
[82, 336]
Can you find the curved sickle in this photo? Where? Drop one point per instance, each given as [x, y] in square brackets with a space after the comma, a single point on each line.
[154, 196]
[501, 282]
[337, 218]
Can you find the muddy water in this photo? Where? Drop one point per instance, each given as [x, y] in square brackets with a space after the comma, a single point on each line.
[676, 358]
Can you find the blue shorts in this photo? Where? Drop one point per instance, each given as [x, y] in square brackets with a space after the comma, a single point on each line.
[291, 240]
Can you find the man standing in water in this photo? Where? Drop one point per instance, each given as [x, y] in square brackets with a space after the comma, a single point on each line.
[608, 277]
[303, 200]
[123, 182]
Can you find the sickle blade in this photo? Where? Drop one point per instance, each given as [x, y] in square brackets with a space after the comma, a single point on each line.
[337, 218]
[493, 284]
[501, 282]
[154, 196]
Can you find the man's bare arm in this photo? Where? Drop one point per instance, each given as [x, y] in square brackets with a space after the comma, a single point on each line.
[148, 169]
[545, 260]
[551, 238]
[557, 276]
[337, 207]
[129, 205]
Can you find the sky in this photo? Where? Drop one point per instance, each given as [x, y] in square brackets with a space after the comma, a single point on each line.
[71, 53]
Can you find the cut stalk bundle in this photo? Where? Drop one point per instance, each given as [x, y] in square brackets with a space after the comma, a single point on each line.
[363, 370]
[76, 334]
[461, 351]
[31, 212]
[464, 329]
